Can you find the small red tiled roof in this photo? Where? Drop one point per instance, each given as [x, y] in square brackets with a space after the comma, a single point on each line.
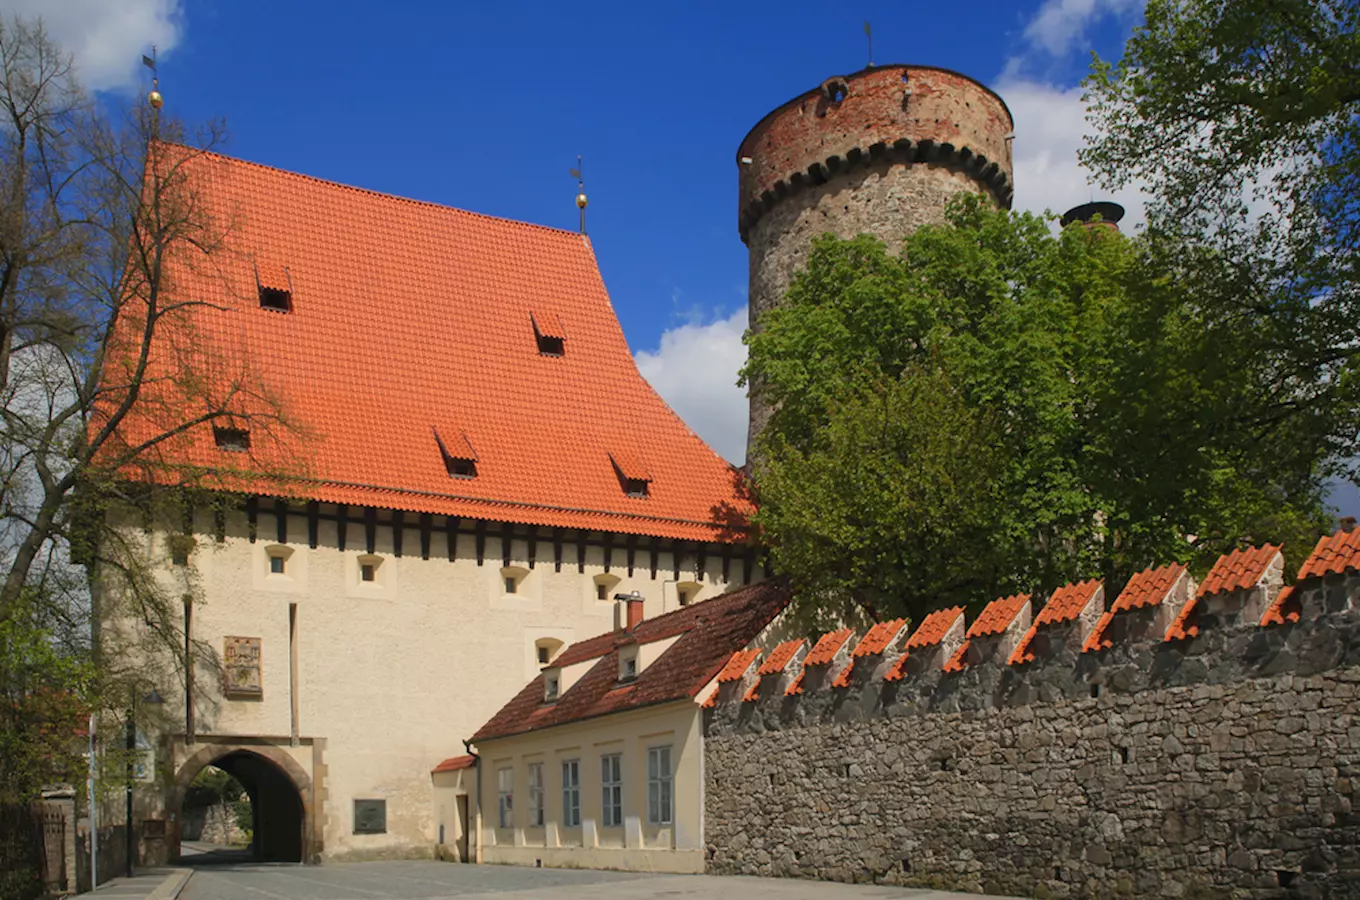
[934, 627]
[1184, 626]
[454, 763]
[843, 679]
[878, 638]
[998, 615]
[407, 315]
[1286, 608]
[712, 700]
[827, 646]
[780, 657]
[708, 634]
[898, 671]
[1333, 555]
[1067, 602]
[737, 666]
[956, 662]
[1238, 570]
[796, 687]
[1096, 639]
[1148, 587]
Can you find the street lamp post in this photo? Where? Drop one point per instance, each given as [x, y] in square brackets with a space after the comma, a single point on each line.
[131, 842]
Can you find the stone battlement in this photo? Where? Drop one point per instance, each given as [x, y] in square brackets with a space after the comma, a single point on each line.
[1188, 741]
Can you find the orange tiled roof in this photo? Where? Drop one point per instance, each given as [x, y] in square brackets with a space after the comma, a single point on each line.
[843, 679]
[408, 316]
[898, 670]
[998, 615]
[780, 657]
[1096, 639]
[454, 763]
[1238, 570]
[1148, 587]
[956, 662]
[796, 687]
[1333, 555]
[1286, 608]
[737, 666]
[934, 627]
[827, 646]
[1067, 602]
[877, 639]
[1185, 624]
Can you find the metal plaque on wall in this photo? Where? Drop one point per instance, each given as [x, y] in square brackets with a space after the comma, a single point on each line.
[241, 666]
[370, 816]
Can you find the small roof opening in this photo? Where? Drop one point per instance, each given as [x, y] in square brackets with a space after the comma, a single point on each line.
[236, 440]
[459, 458]
[549, 333]
[275, 286]
[634, 477]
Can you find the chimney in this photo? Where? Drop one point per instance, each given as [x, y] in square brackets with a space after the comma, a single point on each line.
[1109, 213]
[632, 616]
[1347, 523]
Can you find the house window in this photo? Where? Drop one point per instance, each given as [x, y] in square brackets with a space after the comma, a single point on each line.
[536, 794]
[511, 585]
[685, 595]
[235, 440]
[505, 796]
[635, 487]
[370, 569]
[611, 781]
[368, 572]
[551, 346]
[277, 299]
[571, 793]
[276, 565]
[461, 468]
[627, 668]
[601, 591]
[659, 785]
[512, 578]
[370, 816]
[551, 685]
[542, 655]
[545, 649]
[605, 585]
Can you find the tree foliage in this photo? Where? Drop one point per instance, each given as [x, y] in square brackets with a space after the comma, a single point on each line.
[998, 408]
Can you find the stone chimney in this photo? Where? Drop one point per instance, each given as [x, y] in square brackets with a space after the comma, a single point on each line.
[1109, 215]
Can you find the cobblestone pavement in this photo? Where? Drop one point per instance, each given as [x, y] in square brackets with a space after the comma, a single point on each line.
[423, 880]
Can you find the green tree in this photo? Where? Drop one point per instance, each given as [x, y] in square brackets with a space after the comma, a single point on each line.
[998, 408]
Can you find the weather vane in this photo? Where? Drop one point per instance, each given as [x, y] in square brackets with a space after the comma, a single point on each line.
[580, 192]
[154, 98]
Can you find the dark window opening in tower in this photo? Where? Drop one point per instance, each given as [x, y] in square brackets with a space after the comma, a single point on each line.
[276, 299]
[551, 346]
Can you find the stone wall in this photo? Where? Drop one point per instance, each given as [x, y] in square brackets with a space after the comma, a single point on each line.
[1219, 766]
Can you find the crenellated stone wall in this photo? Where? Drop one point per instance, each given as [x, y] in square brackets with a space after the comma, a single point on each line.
[1222, 765]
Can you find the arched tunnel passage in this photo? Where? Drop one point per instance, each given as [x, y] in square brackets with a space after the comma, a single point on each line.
[278, 813]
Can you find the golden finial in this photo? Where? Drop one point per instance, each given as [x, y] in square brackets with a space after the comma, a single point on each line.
[154, 99]
[581, 200]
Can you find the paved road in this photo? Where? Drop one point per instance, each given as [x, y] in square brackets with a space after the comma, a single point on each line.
[416, 880]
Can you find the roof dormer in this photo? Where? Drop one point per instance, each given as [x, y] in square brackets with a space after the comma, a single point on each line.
[634, 476]
[459, 458]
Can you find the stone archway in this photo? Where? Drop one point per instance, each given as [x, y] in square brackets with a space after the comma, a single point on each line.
[281, 794]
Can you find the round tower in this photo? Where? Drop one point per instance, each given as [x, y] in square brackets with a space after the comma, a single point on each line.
[877, 152]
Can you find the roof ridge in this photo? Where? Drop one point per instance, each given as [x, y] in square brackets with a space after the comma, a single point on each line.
[376, 193]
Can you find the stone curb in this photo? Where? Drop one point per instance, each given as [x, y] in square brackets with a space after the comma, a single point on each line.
[174, 883]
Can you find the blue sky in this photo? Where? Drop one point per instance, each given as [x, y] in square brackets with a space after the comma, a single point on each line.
[485, 106]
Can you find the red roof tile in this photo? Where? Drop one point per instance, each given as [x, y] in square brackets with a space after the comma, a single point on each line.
[781, 656]
[956, 662]
[878, 638]
[712, 700]
[843, 679]
[1022, 652]
[1286, 608]
[454, 763]
[548, 324]
[709, 633]
[1238, 570]
[737, 666]
[796, 687]
[1148, 587]
[827, 646]
[752, 693]
[898, 671]
[1067, 602]
[934, 627]
[1184, 626]
[407, 315]
[998, 615]
[1096, 639]
[1333, 555]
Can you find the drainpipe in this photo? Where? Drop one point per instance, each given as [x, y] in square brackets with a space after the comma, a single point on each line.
[467, 745]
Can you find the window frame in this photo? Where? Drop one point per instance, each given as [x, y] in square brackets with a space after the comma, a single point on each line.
[505, 797]
[571, 793]
[536, 795]
[611, 790]
[660, 785]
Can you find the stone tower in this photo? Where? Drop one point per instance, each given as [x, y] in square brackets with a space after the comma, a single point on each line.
[880, 152]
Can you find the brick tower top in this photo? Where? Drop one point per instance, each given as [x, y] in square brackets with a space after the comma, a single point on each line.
[914, 113]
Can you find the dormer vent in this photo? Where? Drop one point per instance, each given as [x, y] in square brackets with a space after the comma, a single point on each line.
[275, 286]
[634, 477]
[459, 458]
[549, 333]
[236, 440]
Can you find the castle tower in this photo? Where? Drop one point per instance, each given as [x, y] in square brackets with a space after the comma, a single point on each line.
[880, 152]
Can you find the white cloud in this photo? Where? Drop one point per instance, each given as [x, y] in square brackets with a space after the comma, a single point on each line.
[695, 370]
[107, 37]
[1060, 25]
[1050, 126]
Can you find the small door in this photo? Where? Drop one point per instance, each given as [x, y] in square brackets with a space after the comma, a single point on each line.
[463, 828]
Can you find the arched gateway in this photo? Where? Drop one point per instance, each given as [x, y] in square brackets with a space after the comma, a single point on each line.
[283, 796]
